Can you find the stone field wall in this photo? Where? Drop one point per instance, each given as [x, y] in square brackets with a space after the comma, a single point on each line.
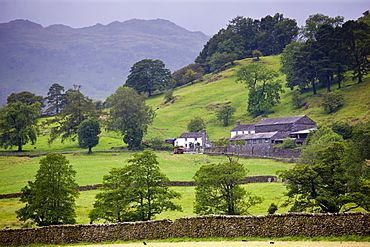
[276, 225]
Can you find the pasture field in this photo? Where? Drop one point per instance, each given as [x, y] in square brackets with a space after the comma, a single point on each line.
[16, 171]
[271, 192]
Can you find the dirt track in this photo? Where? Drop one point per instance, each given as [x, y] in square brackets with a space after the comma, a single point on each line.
[241, 244]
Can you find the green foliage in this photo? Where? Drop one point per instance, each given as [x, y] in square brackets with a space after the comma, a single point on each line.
[264, 89]
[55, 98]
[148, 75]
[331, 101]
[314, 22]
[157, 143]
[359, 139]
[272, 209]
[225, 113]
[288, 143]
[187, 74]
[296, 99]
[138, 191]
[218, 190]
[78, 107]
[26, 97]
[18, 124]
[130, 116]
[244, 35]
[50, 199]
[257, 54]
[168, 96]
[88, 133]
[357, 41]
[316, 140]
[196, 124]
[329, 183]
[219, 60]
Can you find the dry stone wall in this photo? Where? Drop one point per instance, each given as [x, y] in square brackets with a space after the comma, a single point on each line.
[276, 225]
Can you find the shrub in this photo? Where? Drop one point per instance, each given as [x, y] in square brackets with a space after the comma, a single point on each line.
[288, 143]
[331, 101]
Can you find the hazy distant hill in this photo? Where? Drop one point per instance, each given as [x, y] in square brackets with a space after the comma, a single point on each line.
[98, 57]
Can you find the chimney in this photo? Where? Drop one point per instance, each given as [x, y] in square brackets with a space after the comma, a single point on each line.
[237, 122]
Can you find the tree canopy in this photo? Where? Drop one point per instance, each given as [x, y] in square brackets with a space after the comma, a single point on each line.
[148, 75]
[328, 50]
[225, 114]
[196, 124]
[50, 199]
[269, 35]
[88, 133]
[333, 182]
[264, 88]
[129, 115]
[218, 190]
[138, 191]
[55, 98]
[18, 124]
[77, 108]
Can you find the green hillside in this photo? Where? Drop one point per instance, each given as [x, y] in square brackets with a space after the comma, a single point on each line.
[204, 97]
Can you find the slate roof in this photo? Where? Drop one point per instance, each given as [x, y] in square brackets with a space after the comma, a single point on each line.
[266, 135]
[243, 127]
[192, 135]
[280, 120]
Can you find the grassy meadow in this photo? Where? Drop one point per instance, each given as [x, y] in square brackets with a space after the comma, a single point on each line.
[271, 192]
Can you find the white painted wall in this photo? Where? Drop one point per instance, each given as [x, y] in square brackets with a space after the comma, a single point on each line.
[234, 133]
[185, 142]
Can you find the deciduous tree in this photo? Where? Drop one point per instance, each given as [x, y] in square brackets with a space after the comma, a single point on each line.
[26, 97]
[18, 124]
[196, 124]
[264, 88]
[130, 116]
[225, 113]
[218, 190]
[50, 199]
[148, 75]
[331, 101]
[88, 133]
[138, 191]
[329, 183]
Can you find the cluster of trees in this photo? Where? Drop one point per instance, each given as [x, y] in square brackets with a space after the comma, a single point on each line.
[76, 117]
[333, 174]
[137, 191]
[328, 50]
[243, 36]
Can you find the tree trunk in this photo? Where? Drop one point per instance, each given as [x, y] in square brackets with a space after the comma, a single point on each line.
[314, 86]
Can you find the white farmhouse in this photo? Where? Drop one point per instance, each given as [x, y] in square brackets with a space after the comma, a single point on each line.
[193, 140]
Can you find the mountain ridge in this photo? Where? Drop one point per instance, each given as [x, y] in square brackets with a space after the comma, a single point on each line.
[98, 57]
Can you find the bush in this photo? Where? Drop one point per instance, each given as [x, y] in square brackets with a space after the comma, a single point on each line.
[331, 101]
[288, 143]
[272, 209]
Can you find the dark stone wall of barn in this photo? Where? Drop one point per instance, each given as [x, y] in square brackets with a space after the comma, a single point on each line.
[258, 149]
[276, 225]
